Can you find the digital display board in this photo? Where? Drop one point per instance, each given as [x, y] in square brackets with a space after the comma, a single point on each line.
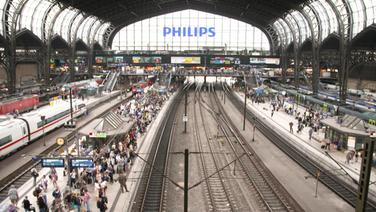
[99, 60]
[221, 60]
[52, 162]
[82, 163]
[264, 60]
[140, 59]
[185, 60]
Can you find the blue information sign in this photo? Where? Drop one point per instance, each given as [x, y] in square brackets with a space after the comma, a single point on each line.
[53, 162]
[82, 163]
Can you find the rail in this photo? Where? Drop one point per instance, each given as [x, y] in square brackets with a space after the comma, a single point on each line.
[333, 182]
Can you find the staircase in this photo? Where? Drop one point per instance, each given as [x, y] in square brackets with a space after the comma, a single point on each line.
[112, 121]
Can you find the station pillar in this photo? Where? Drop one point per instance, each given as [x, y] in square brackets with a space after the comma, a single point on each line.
[365, 172]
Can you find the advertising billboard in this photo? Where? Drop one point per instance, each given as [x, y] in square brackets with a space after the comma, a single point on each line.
[99, 60]
[263, 61]
[141, 59]
[221, 60]
[185, 60]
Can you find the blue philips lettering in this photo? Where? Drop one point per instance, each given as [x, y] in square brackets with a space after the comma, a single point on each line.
[189, 31]
[203, 31]
[166, 31]
[176, 30]
[211, 32]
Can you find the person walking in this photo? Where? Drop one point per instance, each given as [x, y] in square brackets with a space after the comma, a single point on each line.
[291, 125]
[13, 195]
[123, 182]
[310, 132]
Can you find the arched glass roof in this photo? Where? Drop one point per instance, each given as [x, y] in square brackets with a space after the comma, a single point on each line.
[39, 16]
[84, 28]
[190, 30]
[355, 16]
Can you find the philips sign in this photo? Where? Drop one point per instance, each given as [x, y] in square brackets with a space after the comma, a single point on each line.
[189, 31]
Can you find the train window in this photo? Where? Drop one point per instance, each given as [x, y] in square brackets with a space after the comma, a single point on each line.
[53, 118]
[5, 140]
[81, 106]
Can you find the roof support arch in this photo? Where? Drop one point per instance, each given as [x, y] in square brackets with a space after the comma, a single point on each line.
[315, 47]
[296, 57]
[10, 16]
[343, 13]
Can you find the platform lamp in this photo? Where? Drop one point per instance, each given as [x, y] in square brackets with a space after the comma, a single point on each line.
[43, 119]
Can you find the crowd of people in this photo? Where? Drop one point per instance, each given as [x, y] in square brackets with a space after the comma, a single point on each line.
[112, 164]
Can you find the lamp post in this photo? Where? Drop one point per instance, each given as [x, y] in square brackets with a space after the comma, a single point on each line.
[43, 118]
[254, 128]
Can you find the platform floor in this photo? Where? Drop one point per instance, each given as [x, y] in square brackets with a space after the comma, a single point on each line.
[281, 120]
[113, 191]
[287, 171]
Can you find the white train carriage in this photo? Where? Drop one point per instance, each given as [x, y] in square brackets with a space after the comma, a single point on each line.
[16, 132]
[13, 134]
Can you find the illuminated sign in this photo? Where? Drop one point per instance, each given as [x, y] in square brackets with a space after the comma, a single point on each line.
[139, 59]
[82, 163]
[189, 31]
[224, 60]
[186, 60]
[264, 60]
[98, 135]
[372, 122]
[52, 162]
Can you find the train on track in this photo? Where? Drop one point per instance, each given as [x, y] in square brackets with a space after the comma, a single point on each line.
[19, 131]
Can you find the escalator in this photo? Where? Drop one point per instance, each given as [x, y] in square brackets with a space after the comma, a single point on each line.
[111, 80]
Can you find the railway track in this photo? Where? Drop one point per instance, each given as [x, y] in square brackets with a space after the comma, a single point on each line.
[149, 195]
[346, 191]
[218, 193]
[22, 174]
[272, 195]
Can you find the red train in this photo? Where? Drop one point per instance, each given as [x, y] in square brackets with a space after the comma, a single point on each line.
[21, 104]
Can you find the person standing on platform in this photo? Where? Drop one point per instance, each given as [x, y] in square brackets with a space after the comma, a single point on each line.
[34, 174]
[310, 132]
[102, 203]
[86, 200]
[42, 205]
[291, 124]
[27, 205]
[13, 195]
[123, 182]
